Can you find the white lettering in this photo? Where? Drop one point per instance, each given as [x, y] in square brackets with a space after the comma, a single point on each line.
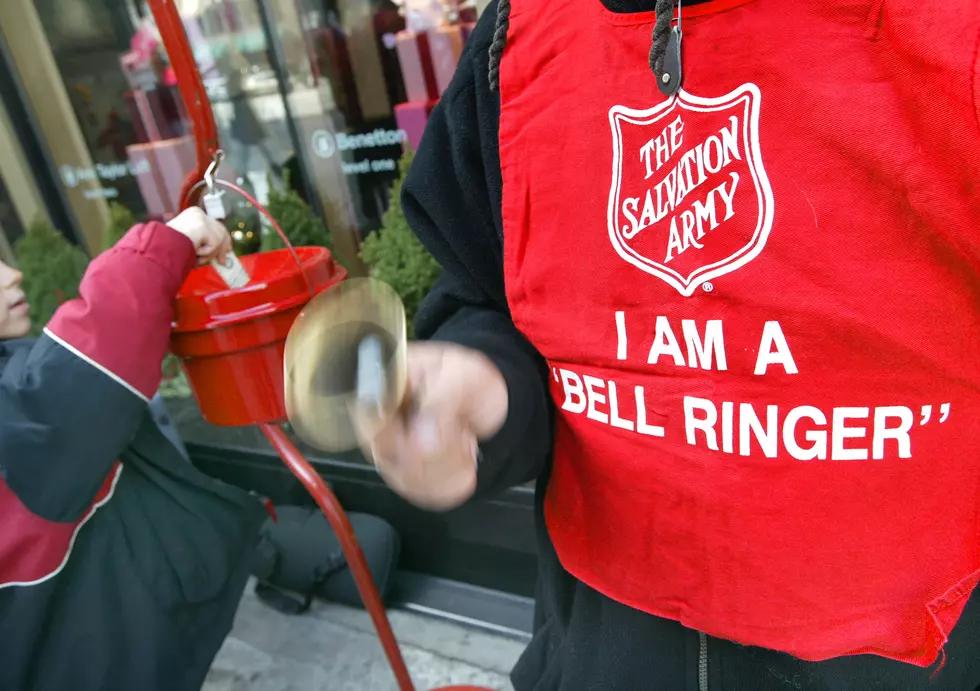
[727, 196]
[674, 244]
[665, 343]
[803, 433]
[772, 335]
[615, 420]
[662, 147]
[842, 433]
[676, 134]
[586, 393]
[705, 214]
[370, 140]
[727, 427]
[749, 424]
[630, 206]
[689, 223]
[620, 335]
[702, 353]
[592, 388]
[817, 438]
[706, 424]
[649, 215]
[729, 140]
[713, 160]
[641, 417]
[900, 434]
[574, 392]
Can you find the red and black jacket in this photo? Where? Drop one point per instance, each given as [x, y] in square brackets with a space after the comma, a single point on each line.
[121, 565]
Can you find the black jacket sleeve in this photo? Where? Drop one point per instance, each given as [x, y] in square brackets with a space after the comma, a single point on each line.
[452, 199]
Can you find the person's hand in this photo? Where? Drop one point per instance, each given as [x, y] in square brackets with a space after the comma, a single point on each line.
[211, 239]
[427, 452]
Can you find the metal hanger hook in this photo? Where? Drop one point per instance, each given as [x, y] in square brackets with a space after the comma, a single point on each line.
[209, 174]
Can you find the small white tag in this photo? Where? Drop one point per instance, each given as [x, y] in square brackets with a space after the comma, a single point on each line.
[214, 205]
[232, 271]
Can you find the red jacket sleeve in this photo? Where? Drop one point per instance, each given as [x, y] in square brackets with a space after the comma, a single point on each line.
[121, 322]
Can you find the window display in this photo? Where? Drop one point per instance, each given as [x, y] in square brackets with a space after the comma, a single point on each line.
[320, 96]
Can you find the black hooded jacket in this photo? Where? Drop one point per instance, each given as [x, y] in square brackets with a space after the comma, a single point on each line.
[583, 640]
[121, 565]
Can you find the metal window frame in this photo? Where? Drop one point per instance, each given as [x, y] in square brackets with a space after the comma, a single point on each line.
[35, 148]
[277, 64]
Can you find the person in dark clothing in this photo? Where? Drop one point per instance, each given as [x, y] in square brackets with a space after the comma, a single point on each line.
[731, 330]
[121, 565]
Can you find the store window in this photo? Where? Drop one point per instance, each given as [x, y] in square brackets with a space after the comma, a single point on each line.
[11, 226]
[320, 95]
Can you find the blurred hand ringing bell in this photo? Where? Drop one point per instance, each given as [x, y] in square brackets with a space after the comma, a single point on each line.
[418, 411]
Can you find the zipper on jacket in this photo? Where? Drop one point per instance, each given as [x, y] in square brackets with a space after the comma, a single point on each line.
[702, 662]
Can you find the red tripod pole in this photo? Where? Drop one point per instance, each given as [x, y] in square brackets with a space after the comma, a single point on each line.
[206, 145]
[191, 90]
[331, 508]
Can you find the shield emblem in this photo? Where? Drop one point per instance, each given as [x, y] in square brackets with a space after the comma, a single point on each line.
[690, 200]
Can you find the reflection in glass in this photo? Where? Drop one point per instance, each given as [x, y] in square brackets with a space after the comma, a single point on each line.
[320, 95]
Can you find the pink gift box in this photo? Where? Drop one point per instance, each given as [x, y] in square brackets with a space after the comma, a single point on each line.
[139, 73]
[160, 169]
[412, 117]
[151, 186]
[445, 47]
[416, 65]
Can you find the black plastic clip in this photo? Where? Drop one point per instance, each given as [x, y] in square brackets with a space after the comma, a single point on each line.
[669, 82]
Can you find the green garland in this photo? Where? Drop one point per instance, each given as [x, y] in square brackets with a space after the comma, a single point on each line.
[301, 225]
[395, 256]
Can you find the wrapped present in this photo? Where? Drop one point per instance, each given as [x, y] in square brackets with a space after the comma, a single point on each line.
[416, 64]
[412, 117]
[160, 169]
[151, 185]
[140, 134]
[154, 110]
[140, 72]
[145, 121]
[445, 47]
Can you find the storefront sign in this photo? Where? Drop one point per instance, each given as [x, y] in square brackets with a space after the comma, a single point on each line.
[377, 165]
[73, 176]
[325, 144]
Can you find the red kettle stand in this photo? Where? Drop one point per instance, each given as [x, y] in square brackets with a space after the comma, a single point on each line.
[230, 341]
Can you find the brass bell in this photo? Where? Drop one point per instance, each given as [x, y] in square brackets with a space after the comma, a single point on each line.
[345, 355]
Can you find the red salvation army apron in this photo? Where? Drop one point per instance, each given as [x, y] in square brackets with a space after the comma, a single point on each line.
[760, 304]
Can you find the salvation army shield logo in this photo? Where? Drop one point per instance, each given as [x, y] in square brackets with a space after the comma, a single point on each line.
[690, 200]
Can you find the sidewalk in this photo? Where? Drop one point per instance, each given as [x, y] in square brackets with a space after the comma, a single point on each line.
[334, 648]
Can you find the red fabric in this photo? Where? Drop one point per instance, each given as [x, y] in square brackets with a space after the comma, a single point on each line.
[121, 321]
[811, 481]
[32, 548]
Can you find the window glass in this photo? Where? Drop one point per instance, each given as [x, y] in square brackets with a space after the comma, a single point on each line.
[320, 95]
